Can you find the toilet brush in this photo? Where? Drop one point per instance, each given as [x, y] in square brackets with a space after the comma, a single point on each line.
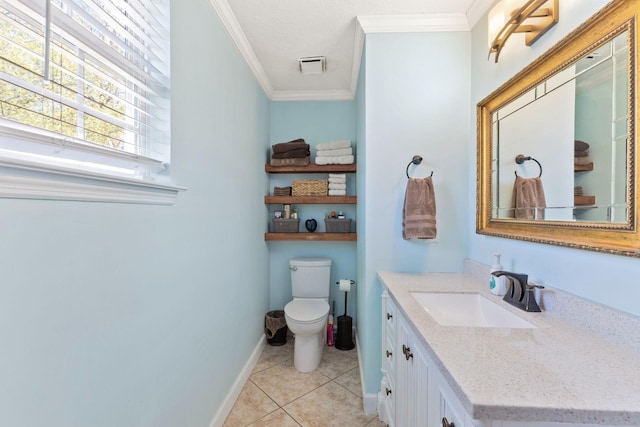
[344, 340]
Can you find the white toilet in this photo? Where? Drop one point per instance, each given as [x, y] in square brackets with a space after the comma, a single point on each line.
[307, 314]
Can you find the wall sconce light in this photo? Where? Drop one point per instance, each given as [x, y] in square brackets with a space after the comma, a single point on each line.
[532, 17]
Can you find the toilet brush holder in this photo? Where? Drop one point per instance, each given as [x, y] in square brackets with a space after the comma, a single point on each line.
[344, 340]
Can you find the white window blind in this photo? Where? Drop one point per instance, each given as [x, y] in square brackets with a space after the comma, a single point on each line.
[86, 82]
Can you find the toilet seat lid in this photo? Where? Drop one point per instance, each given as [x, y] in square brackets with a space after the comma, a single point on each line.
[307, 310]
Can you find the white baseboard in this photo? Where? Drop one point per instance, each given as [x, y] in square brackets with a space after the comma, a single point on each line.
[369, 400]
[232, 396]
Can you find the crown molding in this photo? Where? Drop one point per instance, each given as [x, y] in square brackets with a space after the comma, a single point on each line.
[477, 10]
[232, 26]
[414, 23]
[313, 95]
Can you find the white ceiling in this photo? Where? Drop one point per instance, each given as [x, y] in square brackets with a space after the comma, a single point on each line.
[273, 34]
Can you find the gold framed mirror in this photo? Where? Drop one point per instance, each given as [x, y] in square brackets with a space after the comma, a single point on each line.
[573, 113]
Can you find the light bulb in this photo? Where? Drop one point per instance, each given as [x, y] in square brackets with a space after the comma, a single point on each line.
[496, 22]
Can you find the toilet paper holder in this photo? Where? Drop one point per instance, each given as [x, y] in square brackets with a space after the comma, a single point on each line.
[345, 285]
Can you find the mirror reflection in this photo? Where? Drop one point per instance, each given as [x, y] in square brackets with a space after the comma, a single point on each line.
[560, 151]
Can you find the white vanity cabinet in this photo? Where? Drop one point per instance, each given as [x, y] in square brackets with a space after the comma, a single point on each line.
[412, 392]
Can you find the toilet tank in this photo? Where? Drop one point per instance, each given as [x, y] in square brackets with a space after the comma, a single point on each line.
[310, 277]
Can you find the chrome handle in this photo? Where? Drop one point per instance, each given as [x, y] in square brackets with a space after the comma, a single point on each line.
[446, 423]
[388, 391]
[293, 268]
[389, 354]
[389, 316]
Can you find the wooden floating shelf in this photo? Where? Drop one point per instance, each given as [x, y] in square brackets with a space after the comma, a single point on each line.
[311, 200]
[311, 168]
[583, 168]
[584, 200]
[302, 236]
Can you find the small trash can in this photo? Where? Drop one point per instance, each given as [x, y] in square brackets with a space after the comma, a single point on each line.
[275, 327]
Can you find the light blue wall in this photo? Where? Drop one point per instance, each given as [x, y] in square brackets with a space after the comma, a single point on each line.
[131, 315]
[604, 278]
[415, 101]
[316, 122]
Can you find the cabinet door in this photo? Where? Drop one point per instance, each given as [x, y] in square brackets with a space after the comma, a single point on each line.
[444, 404]
[421, 374]
[404, 403]
[387, 387]
[412, 379]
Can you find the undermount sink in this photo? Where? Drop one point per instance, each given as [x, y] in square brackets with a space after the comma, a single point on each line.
[468, 309]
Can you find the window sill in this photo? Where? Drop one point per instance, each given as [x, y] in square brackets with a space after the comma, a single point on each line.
[23, 179]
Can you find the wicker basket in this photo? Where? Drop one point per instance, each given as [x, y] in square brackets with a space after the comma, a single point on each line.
[310, 187]
[340, 225]
[282, 225]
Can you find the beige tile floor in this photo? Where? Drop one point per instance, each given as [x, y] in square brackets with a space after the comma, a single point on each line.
[277, 395]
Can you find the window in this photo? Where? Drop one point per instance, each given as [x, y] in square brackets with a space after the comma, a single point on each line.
[85, 86]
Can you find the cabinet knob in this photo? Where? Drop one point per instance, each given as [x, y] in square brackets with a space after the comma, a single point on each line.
[407, 352]
[446, 423]
[388, 391]
[389, 354]
[389, 316]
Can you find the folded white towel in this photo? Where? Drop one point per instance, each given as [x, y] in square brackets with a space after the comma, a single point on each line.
[337, 192]
[333, 186]
[338, 175]
[338, 180]
[336, 160]
[333, 145]
[335, 152]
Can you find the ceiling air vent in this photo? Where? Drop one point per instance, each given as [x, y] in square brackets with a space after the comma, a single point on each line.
[312, 64]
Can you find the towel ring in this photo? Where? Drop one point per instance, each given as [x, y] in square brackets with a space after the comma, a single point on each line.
[415, 161]
[520, 159]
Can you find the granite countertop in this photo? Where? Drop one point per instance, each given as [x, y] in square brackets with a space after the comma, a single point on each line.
[557, 372]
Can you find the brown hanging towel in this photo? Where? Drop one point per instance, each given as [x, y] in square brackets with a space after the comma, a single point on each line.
[528, 201]
[419, 212]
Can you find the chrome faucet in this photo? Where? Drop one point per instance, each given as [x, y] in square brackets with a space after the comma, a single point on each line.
[519, 291]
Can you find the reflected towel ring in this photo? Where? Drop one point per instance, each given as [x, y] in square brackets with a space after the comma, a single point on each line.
[416, 161]
[520, 159]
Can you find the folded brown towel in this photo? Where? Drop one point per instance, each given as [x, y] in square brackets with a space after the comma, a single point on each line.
[581, 160]
[528, 200]
[578, 153]
[283, 147]
[292, 154]
[580, 145]
[281, 191]
[419, 212]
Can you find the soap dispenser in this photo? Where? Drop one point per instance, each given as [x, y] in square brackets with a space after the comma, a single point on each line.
[497, 285]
